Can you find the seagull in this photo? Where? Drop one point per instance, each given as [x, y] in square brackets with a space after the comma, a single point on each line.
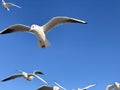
[23, 74]
[49, 88]
[41, 31]
[85, 88]
[7, 5]
[115, 86]
[60, 86]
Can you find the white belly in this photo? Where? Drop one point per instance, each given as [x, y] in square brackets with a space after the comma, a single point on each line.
[40, 35]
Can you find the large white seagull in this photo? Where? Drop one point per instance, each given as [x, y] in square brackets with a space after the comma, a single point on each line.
[41, 31]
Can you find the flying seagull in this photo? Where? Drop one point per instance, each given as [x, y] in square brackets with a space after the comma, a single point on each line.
[49, 88]
[85, 88]
[23, 74]
[7, 5]
[115, 86]
[41, 31]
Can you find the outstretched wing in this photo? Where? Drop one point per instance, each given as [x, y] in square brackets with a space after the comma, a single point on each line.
[85, 88]
[45, 88]
[60, 86]
[60, 20]
[15, 28]
[41, 79]
[12, 77]
[11, 4]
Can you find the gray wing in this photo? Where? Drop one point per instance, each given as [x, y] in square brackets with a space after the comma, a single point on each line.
[45, 88]
[60, 86]
[12, 77]
[85, 88]
[15, 28]
[41, 79]
[11, 4]
[60, 20]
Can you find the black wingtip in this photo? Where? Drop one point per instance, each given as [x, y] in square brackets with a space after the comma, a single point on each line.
[2, 80]
[41, 73]
[38, 72]
[7, 31]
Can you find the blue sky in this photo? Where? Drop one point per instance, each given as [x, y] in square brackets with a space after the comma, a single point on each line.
[79, 54]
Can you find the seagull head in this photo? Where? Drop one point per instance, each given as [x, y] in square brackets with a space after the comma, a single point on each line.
[34, 27]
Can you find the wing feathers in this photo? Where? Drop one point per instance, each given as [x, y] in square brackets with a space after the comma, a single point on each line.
[45, 88]
[12, 77]
[85, 88]
[11, 4]
[60, 20]
[15, 28]
[38, 72]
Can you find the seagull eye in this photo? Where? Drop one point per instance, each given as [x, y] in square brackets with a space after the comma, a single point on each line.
[32, 26]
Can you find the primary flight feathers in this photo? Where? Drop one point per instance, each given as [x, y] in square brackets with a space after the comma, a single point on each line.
[41, 31]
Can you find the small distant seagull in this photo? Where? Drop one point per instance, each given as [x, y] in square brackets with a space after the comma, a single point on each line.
[41, 31]
[85, 88]
[115, 86]
[49, 88]
[7, 5]
[23, 74]
[60, 86]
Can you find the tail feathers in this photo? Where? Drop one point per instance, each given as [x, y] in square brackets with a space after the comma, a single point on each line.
[44, 44]
[47, 43]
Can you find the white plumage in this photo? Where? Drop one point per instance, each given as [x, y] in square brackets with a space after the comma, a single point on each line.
[115, 86]
[41, 31]
[25, 75]
[7, 5]
[49, 88]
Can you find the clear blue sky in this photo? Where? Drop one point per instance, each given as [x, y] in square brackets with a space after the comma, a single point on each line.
[79, 54]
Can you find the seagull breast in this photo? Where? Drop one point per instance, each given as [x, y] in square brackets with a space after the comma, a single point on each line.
[25, 75]
[30, 77]
[38, 31]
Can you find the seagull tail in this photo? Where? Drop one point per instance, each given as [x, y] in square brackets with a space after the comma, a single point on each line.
[45, 44]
